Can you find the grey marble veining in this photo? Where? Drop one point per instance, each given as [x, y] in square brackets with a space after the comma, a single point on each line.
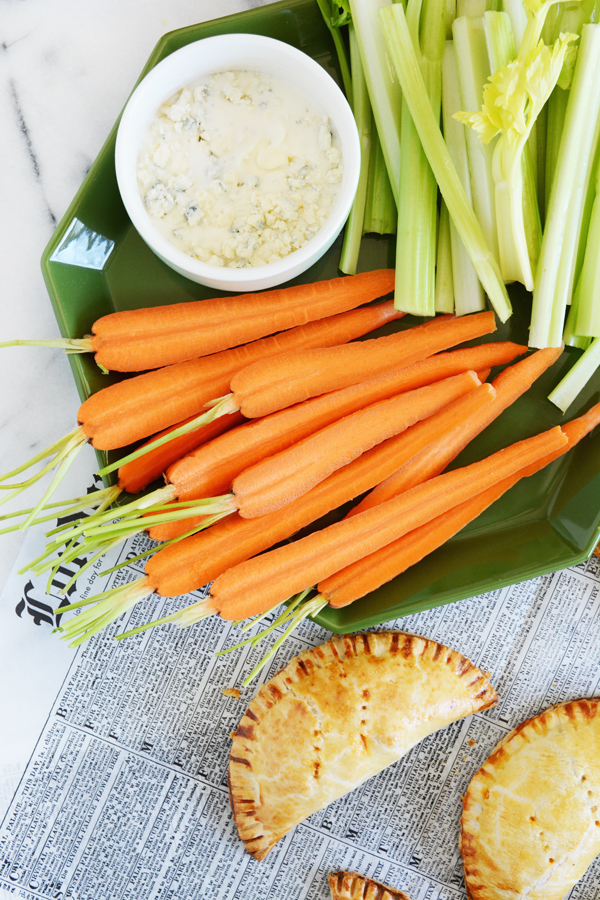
[66, 69]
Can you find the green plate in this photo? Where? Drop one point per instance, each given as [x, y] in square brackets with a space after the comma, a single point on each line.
[96, 263]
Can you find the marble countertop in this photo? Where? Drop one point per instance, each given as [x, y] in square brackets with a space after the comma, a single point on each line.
[66, 69]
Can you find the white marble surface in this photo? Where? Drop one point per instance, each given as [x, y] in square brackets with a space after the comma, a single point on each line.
[66, 69]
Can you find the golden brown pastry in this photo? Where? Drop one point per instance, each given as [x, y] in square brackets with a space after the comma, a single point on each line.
[531, 817]
[351, 886]
[335, 716]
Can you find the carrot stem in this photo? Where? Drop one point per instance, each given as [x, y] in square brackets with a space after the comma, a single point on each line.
[69, 345]
[285, 615]
[57, 478]
[82, 627]
[225, 406]
[105, 497]
[309, 609]
[203, 611]
[54, 448]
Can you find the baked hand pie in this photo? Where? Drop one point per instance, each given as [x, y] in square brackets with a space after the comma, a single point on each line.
[351, 886]
[531, 815]
[336, 715]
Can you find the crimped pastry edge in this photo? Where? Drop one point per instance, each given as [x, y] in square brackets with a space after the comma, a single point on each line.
[244, 792]
[352, 886]
[548, 719]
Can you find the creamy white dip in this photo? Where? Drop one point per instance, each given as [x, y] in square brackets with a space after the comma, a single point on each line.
[238, 170]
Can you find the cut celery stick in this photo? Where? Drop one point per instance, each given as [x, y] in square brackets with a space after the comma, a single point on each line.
[588, 311]
[444, 288]
[518, 18]
[361, 107]
[536, 14]
[380, 207]
[461, 211]
[565, 211]
[473, 72]
[557, 109]
[417, 207]
[541, 127]
[499, 39]
[384, 92]
[331, 15]
[575, 380]
[513, 112]
[471, 8]
[468, 293]
[450, 17]
[570, 336]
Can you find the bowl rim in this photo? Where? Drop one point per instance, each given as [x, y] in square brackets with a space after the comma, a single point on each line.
[126, 148]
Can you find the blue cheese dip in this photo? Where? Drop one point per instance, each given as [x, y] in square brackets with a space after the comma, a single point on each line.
[238, 170]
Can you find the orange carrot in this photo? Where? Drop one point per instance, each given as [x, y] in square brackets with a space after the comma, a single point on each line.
[272, 384]
[265, 389]
[136, 475]
[377, 463]
[139, 339]
[197, 560]
[281, 478]
[509, 385]
[211, 469]
[137, 407]
[370, 572]
[254, 586]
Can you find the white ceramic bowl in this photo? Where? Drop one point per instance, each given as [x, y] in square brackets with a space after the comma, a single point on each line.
[218, 54]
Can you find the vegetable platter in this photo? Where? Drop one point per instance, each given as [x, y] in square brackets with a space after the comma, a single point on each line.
[96, 264]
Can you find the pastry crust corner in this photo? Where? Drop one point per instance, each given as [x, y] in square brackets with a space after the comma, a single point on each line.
[352, 886]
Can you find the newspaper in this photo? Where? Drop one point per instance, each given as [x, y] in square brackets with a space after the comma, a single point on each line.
[121, 749]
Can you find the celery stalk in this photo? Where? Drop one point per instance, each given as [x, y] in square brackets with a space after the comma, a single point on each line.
[361, 108]
[384, 92]
[518, 18]
[575, 380]
[444, 288]
[413, 87]
[536, 13]
[540, 187]
[417, 207]
[557, 109]
[563, 223]
[471, 8]
[499, 39]
[588, 313]
[501, 47]
[468, 293]
[380, 206]
[334, 17]
[473, 72]
[570, 336]
[450, 17]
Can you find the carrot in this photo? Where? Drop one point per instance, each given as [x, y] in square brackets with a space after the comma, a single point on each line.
[137, 407]
[271, 485]
[259, 390]
[133, 409]
[400, 449]
[140, 339]
[197, 560]
[370, 572]
[280, 479]
[509, 385]
[267, 385]
[211, 469]
[284, 476]
[258, 584]
[136, 475]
